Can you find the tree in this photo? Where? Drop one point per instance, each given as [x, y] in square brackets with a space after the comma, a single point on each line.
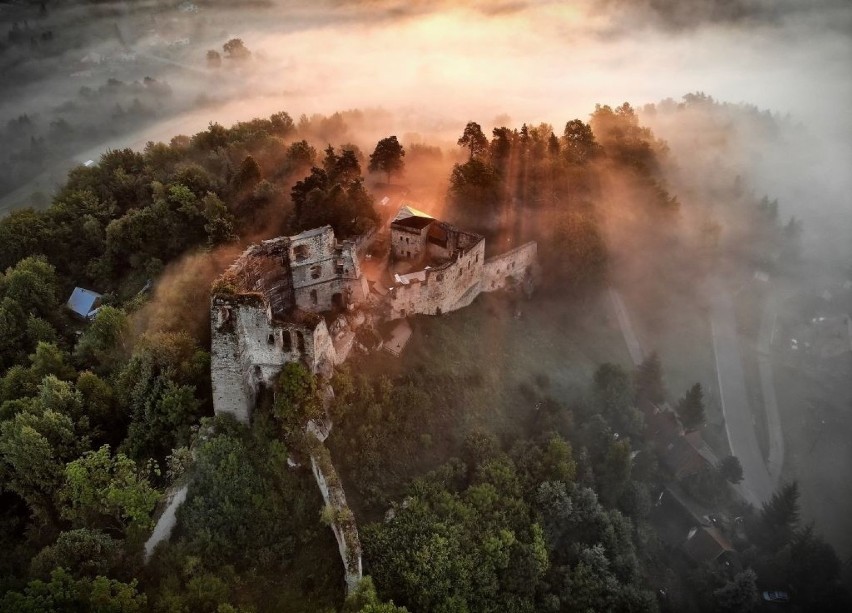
[248, 175]
[34, 447]
[579, 145]
[83, 552]
[298, 400]
[213, 58]
[102, 490]
[475, 185]
[64, 593]
[731, 469]
[779, 517]
[739, 594]
[690, 408]
[104, 343]
[649, 381]
[473, 139]
[235, 49]
[387, 157]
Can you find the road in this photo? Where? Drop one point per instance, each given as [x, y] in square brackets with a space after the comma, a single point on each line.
[630, 339]
[775, 461]
[757, 485]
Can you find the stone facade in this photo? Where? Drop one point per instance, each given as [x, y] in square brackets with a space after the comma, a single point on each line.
[265, 312]
[292, 298]
[510, 268]
[452, 266]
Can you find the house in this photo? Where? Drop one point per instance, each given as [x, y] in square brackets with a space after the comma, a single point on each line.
[84, 302]
[706, 544]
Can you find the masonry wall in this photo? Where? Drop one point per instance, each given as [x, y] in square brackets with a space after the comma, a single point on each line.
[445, 288]
[510, 267]
[408, 243]
[345, 530]
[248, 350]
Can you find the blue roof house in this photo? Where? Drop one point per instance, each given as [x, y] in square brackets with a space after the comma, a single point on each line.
[84, 302]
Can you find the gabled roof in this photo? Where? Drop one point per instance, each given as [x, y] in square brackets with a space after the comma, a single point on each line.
[409, 211]
[82, 301]
[410, 217]
[706, 544]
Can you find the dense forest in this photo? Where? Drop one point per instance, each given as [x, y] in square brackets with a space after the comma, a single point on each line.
[547, 511]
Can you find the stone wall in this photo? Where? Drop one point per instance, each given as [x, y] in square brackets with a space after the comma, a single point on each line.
[248, 349]
[325, 274]
[342, 519]
[441, 289]
[510, 267]
[408, 243]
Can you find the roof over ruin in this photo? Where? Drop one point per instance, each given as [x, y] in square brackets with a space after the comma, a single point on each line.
[409, 217]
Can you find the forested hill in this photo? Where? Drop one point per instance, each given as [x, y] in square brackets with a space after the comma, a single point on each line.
[544, 509]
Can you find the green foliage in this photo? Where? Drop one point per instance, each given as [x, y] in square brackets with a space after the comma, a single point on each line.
[475, 187]
[649, 381]
[35, 444]
[297, 399]
[63, 593]
[29, 299]
[104, 343]
[158, 387]
[338, 201]
[690, 409]
[731, 469]
[83, 552]
[574, 249]
[102, 490]
[244, 506]
[739, 594]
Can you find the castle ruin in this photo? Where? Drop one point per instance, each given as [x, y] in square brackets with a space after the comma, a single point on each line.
[301, 298]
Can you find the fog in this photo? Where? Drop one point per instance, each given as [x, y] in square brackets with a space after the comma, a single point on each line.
[436, 65]
[423, 69]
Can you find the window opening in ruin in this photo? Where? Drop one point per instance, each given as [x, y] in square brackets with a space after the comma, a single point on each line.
[316, 271]
[402, 312]
[300, 252]
[337, 300]
[287, 340]
[314, 296]
[270, 339]
[440, 276]
[438, 311]
[338, 269]
[300, 342]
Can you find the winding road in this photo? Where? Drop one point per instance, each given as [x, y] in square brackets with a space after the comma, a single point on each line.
[758, 484]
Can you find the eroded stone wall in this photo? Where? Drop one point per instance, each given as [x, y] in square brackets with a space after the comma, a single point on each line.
[249, 348]
[509, 268]
[442, 289]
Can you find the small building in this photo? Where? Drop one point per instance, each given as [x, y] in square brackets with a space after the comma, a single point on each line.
[706, 544]
[84, 302]
[445, 266]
